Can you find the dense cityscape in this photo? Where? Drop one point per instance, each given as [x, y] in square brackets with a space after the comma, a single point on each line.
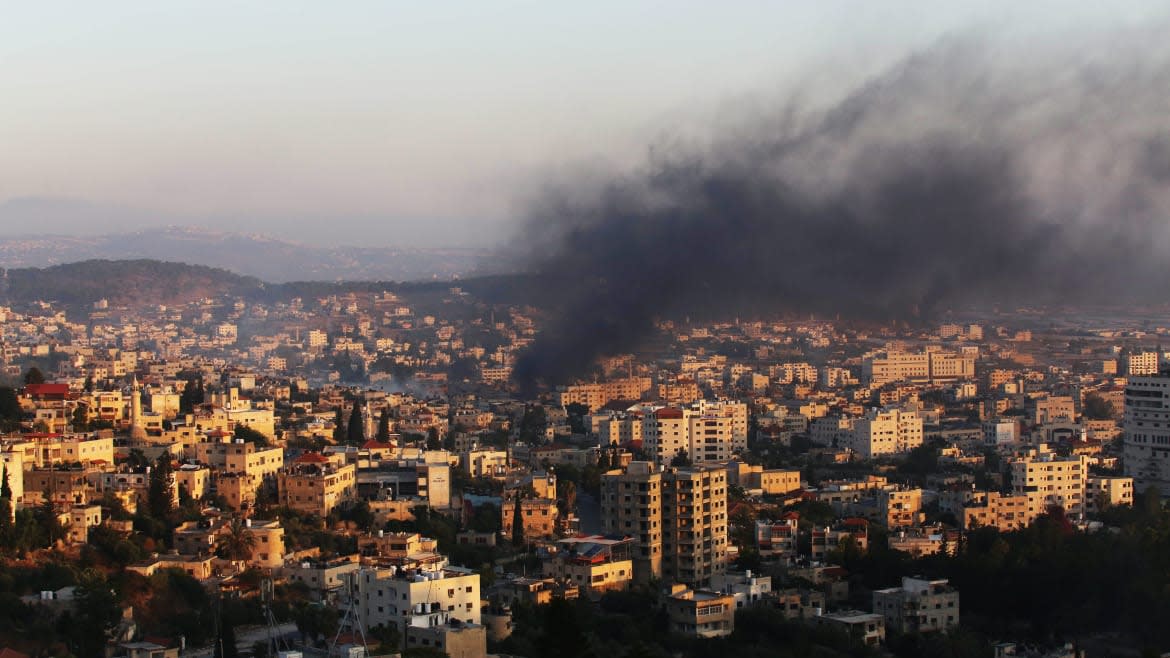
[610, 329]
[357, 474]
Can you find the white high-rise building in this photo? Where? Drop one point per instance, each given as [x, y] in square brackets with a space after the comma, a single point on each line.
[1146, 447]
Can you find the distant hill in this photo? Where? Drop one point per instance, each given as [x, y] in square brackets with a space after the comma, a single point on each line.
[145, 281]
[266, 258]
[128, 282]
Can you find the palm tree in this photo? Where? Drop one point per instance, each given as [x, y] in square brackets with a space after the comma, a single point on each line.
[235, 542]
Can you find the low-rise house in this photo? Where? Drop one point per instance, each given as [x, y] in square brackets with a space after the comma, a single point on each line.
[918, 606]
[700, 613]
[864, 627]
[594, 563]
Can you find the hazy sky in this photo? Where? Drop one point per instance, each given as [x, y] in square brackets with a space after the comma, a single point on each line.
[408, 123]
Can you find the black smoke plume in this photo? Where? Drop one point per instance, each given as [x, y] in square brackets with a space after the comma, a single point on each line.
[966, 173]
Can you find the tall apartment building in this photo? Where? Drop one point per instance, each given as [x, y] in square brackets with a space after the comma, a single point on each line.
[1146, 447]
[694, 519]
[631, 505]
[676, 517]
[706, 432]
[1048, 479]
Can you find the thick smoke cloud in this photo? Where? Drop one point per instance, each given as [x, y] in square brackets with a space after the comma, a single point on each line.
[966, 173]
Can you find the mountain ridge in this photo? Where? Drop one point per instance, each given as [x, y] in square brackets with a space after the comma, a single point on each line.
[268, 258]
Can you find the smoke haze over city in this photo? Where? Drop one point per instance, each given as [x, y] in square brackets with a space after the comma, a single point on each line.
[969, 171]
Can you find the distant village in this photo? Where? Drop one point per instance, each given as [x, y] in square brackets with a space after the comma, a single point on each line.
[355, 475]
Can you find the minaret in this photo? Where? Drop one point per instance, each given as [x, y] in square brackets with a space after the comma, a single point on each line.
[137, 431]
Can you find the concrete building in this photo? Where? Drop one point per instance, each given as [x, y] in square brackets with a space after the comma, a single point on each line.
[393, 595]
[596, 564]
[930, 366]
[1142, 364]
[885, 432]
[747, 588]
[1146, 442]
[315, 484]
[918, 606]
[700, 613]
[451, 636]
[899, 508]
[598, 395]
[778, 539]
[539, 516]
[694, 520]
[1048, 479]
[867, 628]
[1102, 492]
[1000, 432]
[676, 517]
[1002, 511]
[631, 505]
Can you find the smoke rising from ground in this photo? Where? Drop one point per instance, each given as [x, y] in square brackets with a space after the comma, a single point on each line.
[967, 172]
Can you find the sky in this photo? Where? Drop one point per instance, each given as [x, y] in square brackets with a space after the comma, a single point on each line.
[411, 123]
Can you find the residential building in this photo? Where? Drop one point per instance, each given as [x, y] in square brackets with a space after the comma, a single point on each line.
[316, 484]
[777, 539]
[866, 628]
[1146, 447]
[1048, 480]
[885, 432]
[596, 564]
[700, 613]
[918, 606]
[392, 595]
[1002, 511]
[747, 588]
[899, 508]
[631, 505]
[1102, 492]
[539, 516]
[1142, 364]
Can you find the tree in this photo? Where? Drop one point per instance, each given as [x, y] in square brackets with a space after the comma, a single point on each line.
[226, 646]
[97, 612]
[1098, 408]
[249, 435]
[568, 492]
[34, 376]
[160, 492]
[236, 542]
[80, 419]
[192, 395]
[46, 518]
[517, 522]
[338, 426]
[383, 435]
[355, 432]
[433, 441]
[9, 408]
[387, 636]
